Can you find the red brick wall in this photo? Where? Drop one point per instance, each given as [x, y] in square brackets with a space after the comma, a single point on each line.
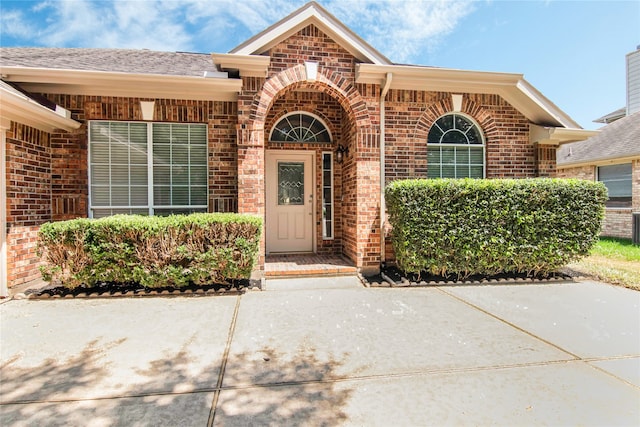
[336, 71]
[617, 223]
[69, 150]
[582, 172]
[311, 44]
[47, 174]
[28, 162]
[349, 220]
[546, 161]
[410, 114]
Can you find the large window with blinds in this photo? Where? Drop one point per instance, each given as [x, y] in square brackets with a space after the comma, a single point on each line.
[147, 168]
[617, 179]
[455, 148]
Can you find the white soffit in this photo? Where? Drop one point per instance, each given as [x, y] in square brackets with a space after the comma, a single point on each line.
[18, 107]
[75, 82]
[248, 65]
[512, 87]
[311, 13]
[557, 136]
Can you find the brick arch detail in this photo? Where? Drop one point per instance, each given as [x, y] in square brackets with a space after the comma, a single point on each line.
[276, 118]
[433, 112]
[327, 81]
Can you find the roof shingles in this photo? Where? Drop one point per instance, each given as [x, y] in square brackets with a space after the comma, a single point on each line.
[109, 60]
[620, 139]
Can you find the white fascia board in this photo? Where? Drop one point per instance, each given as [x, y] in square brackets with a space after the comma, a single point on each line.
[312, 13]
[510, 86]
[545, 135]
[21, 109]
[80, 82]
[434, 79]
[600, 162]
[536, 97]
[248, 65]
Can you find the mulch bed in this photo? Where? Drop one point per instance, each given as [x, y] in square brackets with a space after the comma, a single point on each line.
[391, 276]
[109, 290]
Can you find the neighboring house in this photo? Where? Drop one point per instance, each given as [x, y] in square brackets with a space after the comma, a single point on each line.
[303, 125]
[613, 157]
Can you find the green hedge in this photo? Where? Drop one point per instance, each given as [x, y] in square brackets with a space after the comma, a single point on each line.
[151, 251]
[466, 227]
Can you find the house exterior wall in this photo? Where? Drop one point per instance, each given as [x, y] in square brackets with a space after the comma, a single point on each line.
[48, 173]
[617, 221]
[28, 165]
[70, 150]
[238, 136]
[410, 115]
[336, 74]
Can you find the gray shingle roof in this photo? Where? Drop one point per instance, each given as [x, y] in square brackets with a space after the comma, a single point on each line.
[612, 116]
[110, 60]
[616, 140]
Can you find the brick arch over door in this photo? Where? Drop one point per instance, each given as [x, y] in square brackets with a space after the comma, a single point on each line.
[361, 232]
[329, 82]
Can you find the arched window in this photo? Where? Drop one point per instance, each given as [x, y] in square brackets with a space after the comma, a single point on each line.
[300, 127]
[455, 148]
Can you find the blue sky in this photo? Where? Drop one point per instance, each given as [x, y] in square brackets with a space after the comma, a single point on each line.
[572, 51]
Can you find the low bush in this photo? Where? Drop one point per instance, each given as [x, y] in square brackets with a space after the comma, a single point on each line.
[487, 227]
[151, 251]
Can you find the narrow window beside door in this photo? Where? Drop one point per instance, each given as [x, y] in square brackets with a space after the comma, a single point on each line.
[327, 196]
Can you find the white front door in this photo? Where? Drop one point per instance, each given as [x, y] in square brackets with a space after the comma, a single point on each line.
[289, 198]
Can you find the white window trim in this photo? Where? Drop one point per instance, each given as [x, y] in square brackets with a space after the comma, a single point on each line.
[332, 203]
[150, 184]
[482, 138]
[306, 113]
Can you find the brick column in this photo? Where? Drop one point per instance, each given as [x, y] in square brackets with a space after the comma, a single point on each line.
[368, 201]
[546, 160]
[251, 173]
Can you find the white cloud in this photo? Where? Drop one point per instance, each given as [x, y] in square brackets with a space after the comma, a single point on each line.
[403, 30]
[83, 23]
[13, 24]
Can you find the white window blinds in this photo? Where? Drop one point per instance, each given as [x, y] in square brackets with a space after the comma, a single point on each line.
[147, 168]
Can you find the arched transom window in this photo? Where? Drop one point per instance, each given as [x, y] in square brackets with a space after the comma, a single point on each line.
[455, 148]
[300, 127]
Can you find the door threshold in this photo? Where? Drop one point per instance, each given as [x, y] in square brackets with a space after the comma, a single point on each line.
[307, 265]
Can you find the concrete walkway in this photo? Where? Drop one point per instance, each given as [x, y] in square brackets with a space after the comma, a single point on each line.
[329, 353]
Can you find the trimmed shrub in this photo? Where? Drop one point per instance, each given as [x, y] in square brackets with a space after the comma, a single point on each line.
[465, 227]
[150, 251]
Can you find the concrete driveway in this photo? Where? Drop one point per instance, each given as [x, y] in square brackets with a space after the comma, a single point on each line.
[327, 352]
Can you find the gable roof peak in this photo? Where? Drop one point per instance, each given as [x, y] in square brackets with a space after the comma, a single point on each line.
[311, 13]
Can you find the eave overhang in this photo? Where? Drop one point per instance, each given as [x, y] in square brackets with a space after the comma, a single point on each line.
[247, 65]
[556, 136]
[19, 108]
[101, 83]
[600, 162]
[311, 13]
[513, 88]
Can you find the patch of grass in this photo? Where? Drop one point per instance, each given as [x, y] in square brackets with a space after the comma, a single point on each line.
[614, 261]
[621, 249]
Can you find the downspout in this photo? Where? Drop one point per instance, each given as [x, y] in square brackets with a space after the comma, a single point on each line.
[383, 94]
